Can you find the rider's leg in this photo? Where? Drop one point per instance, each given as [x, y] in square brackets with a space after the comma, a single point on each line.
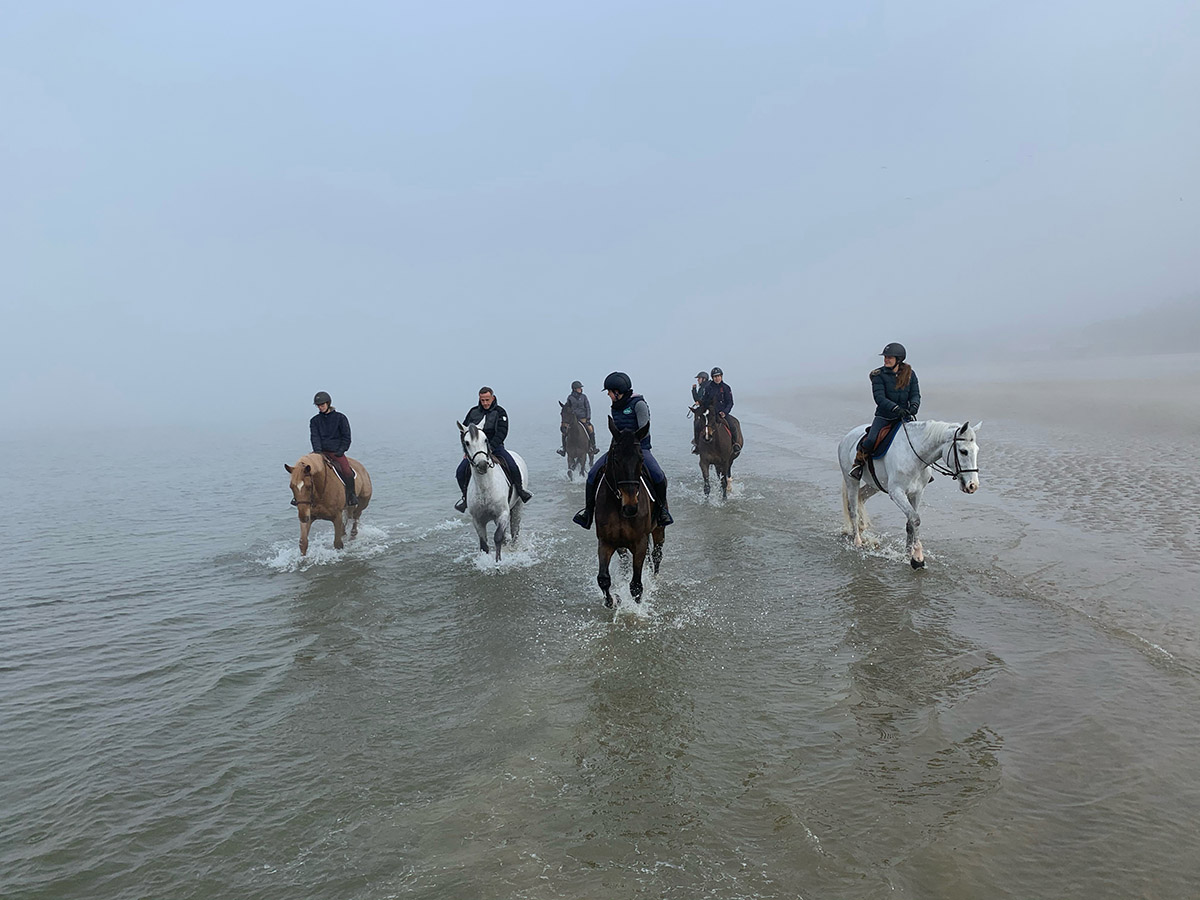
[592, 448]
[866, 445]
[584, 516]
[658, 480]
[345, 474]
[514, 472]
[697, 424]
[563, 451]
[463, 475]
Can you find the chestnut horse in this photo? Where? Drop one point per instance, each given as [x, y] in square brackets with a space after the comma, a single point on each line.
[625, 518]
[317, 493]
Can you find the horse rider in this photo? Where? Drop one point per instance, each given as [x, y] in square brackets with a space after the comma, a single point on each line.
[330, 433]
[581, 408]
[699, 399]
[720, 397]
[897, 397]
[492, 420]
[629, 412]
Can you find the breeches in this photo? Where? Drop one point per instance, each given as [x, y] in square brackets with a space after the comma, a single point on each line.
[342, 466]
[873, 434]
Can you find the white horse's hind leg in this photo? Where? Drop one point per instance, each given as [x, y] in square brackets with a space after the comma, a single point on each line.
[514, 517]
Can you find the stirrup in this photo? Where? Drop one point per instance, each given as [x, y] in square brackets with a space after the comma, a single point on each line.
[524, 495]
[582, 518]
[664, 517]
[561, 452]
[856, 472]
[461, 505]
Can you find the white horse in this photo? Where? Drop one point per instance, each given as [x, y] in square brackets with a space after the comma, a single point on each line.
[903, 473]
[489, 495]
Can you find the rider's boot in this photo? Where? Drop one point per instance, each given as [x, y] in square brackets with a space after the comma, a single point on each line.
[461, 505]
[660, 497]
[860, 460]
[592, 448]
[351, 500]
[563, 451]
[584, 516]
[520, 489]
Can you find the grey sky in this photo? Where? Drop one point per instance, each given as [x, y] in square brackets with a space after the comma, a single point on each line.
[397, 202]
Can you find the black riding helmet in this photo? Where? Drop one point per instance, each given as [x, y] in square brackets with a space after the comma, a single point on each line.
[576, 384]
[322, 397]
[619, 382]
[716, 371]
[896, 350]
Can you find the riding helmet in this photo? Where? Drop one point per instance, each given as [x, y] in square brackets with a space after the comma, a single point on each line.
[320, 398]
[576, 384]
[716, 371]
[896, 350]
[619, 382]
[702, 375]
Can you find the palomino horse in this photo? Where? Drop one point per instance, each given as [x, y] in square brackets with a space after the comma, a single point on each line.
[944, 447]
[318, 493]
[579, 443]
[625, 510]
[490, 497]
[716, 448]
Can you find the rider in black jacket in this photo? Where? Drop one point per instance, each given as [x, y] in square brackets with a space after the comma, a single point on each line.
[329, 431]
[897, 396]
[492, 420]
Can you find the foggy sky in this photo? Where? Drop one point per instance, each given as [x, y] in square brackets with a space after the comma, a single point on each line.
[216, 205]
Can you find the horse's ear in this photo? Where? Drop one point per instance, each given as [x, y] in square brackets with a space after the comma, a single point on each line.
[286, 466]
[964, 428]
[612, 426]
[642, 432]
[561, 405]
[978, 425]
[461, 430]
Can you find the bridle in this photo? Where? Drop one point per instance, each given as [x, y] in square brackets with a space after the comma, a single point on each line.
[485, 452]
[951, 455]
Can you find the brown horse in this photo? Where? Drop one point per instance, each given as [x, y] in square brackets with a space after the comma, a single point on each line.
[578, 443]
[717, 447]
[625, 518]
[318, 493]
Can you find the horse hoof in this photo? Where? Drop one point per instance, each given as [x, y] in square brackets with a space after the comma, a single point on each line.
[608, 602]
[917, 563]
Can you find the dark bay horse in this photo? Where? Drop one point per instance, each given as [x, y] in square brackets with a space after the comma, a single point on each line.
[317, 493]
[716, 448]
[625, 517]
[578, 444]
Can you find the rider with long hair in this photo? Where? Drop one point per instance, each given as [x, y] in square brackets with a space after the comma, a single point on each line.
[629, 412]
[897, 397]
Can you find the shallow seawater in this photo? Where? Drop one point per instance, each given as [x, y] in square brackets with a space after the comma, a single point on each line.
[189, 708]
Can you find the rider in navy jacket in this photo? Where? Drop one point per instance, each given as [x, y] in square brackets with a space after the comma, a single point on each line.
[629, 413]
[490, 417]
[329, 431]
[581, 408]
[897, 396]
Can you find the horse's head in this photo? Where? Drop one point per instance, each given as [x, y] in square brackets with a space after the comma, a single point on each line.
[963, 457]
[624, 467]
[709, 417]
[567, 416]
[303, 494]
[475, 446]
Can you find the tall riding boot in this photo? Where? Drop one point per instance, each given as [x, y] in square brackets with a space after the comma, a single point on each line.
[519, 487]
[592, 448]
[860, 460]
[660, 497]
[351, 500]
[584, 516]
[563, 451]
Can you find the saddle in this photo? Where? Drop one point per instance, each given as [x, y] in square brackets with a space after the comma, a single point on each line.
[503, 468]
[886, 434]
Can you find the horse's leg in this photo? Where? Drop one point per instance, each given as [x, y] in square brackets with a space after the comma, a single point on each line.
[603, 578]
[660, 535]
[353, 523]
[503, 525]
[514, 516]
[918, 552]
[704, 472]
[900, 498]
[339, 529]
[639, 560]
[481, 530]
[853, 508]
[305, 524]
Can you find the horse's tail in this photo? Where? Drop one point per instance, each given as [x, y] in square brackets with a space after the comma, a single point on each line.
[846, 525]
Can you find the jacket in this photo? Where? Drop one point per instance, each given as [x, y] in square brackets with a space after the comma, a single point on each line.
[892, 402]
[630, 413]
[330, 432]
[494, 422]
[721, 397]
[579, 406]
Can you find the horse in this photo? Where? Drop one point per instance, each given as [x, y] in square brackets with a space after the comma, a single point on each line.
[944, 447]
[318, 493]
[716, 449]
[579, 443]
[625, 510]
[490, 497]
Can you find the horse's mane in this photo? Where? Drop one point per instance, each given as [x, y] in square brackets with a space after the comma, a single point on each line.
[940, 431]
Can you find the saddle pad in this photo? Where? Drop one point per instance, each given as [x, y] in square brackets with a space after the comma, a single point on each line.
[886, 435]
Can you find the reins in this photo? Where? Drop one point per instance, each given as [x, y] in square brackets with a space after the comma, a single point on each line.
[937, 465]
